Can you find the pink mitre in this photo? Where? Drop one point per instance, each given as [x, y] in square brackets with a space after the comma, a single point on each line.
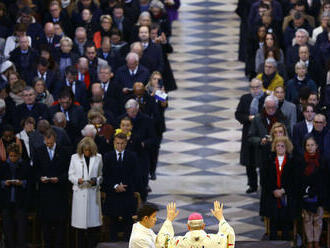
[195, 219]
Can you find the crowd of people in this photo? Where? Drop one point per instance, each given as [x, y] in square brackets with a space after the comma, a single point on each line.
[285, 45]
[83, 91]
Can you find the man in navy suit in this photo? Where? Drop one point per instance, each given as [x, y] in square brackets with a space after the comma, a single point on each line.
[49, 76]
[74, 114]
[151, 52]
[48, 38]
[130, 73]
[119, 183]
[78, 87]
[302, 128]
[51, 164]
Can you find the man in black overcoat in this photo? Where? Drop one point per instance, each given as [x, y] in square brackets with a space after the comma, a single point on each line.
[250, 104]
[51, 171]
[119, 184]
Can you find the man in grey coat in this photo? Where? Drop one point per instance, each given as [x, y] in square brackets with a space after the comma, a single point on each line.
[288, 109]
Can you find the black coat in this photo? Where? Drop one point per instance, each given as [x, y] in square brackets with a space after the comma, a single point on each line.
[53, 198]
[316, 182]
[43, 41]
[22, 194]
[153, 57]
[39, 111]
[288, 183]
[242, 115]
[24, 69]
[123, 203]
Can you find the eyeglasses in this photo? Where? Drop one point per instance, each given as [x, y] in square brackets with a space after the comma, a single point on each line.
[318, 122]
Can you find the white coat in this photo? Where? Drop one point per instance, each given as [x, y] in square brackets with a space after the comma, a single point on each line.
[225, 238]
[86, 200]
[142, 237]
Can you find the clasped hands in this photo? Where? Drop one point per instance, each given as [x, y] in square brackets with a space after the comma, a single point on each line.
[121, 188]
[14, 182]
[49, 179]
[217, 211]
[92, 181]
[278, 193]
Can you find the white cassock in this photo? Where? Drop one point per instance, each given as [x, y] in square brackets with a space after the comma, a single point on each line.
[142, 237]
[225, 238]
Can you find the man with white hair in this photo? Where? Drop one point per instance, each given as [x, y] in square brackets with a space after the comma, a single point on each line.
[260, 128]
[130, 73]
[80, 40]
[196, 237]
[144, 129]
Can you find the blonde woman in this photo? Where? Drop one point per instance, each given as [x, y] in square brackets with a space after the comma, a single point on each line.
[85, 173]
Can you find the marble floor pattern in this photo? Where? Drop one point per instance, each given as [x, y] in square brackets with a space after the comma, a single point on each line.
[199, 155]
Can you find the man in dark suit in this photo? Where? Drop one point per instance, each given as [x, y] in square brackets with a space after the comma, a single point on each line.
[302, 128]
[57, 15]
[78, 87]
[30, 108]
[108, 54]
[151, 51]
[119, 184]
[49, 76]
[121, 21]
[249, 105]
[75, 115]
[112, 93]
[24, 58]
[144, 139]
[130, 73]
[51, 171]
[48, 38]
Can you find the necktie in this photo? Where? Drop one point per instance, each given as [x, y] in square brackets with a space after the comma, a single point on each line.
[120, 159]
[50, 151]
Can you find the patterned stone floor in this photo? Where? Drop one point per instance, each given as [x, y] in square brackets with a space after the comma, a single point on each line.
[199, 155]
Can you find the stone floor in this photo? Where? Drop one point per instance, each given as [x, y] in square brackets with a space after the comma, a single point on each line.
[199, 154]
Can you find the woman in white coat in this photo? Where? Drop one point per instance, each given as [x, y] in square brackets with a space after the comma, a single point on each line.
[85, 173]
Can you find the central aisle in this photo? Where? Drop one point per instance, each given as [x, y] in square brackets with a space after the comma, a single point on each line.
[199, 154]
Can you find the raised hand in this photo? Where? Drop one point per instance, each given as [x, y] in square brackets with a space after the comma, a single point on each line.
[217, 211]
[172, 213]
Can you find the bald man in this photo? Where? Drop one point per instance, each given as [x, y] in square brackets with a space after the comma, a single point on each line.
[48, 38]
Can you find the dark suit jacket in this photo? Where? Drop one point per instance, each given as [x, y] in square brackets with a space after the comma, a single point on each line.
[42, 41]
[77, 120]
[64, 21]
[39, 111]
[123, 203]
[153, 57]
[51, 80]
[124, 79]
[242, 115]
[299, 132]
[22, 193]
[53, 199]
